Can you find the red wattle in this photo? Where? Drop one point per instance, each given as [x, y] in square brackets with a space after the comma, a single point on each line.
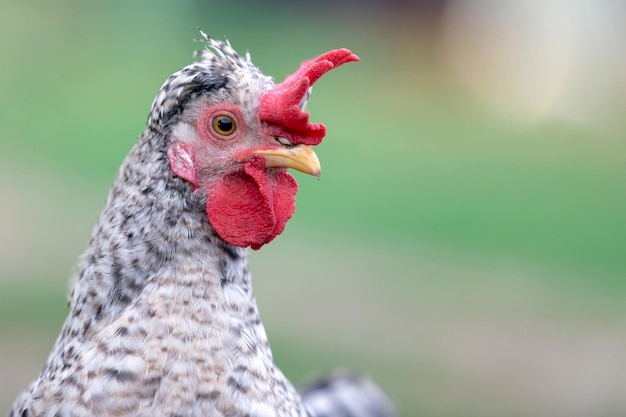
[250, 208]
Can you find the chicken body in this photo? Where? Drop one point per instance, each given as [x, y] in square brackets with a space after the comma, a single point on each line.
[163, 320]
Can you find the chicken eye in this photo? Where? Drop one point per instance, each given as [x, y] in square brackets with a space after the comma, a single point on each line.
[223, 125]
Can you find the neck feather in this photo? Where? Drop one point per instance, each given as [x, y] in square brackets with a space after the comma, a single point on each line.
[152, 222]
[164, 307]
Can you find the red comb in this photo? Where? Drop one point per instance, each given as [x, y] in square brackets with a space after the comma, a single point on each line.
[280, 107]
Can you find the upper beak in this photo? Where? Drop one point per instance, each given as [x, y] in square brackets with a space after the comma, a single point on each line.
[299, 157]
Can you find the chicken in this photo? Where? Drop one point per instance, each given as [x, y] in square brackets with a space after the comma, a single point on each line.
[162, 320]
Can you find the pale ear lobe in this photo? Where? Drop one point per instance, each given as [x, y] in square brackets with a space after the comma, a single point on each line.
[182, 158]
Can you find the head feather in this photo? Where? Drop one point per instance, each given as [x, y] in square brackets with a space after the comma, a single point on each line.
[220, 68]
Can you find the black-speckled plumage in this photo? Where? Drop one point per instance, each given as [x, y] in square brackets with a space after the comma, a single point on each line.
[162, 320]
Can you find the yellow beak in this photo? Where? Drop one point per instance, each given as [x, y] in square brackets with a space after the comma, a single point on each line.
[300, 157]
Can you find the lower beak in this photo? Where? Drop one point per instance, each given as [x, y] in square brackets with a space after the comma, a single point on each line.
[300, 157]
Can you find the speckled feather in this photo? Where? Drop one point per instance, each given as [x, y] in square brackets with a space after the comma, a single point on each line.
[162, 320]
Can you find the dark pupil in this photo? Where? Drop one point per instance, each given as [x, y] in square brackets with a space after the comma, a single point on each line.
[225, 124]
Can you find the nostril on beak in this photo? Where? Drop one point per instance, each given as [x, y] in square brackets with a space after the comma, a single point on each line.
[283, 141]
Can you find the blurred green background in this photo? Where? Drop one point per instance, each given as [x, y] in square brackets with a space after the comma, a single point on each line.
[466, 245]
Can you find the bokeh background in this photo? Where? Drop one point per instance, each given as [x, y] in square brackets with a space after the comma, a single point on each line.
[466, 245]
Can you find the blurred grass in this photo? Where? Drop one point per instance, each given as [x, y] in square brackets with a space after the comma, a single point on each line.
[548, 192]
[412, 166]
